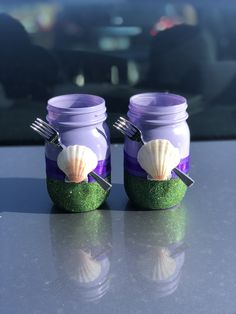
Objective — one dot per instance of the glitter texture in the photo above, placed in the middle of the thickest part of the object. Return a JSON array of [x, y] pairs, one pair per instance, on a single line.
[[87, 230], [154, 194], [76, 197], [165, 227]]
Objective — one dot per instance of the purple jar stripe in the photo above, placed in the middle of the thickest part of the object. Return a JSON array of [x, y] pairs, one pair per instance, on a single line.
[[132, 166], [184, 164], [53, 172]]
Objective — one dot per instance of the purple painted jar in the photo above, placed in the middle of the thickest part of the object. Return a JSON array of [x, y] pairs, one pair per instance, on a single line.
[[80, 120], [158, 116]]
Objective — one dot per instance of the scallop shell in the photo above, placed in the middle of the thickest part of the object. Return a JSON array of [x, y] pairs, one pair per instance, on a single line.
[[88, 268], [76, 162], [165, 265], [159, 266], [158, 158]]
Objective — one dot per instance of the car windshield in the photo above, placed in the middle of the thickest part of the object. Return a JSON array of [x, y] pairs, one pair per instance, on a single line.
[[116, 49]]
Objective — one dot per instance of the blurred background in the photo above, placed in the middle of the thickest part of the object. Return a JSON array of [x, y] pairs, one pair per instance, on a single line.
[[116, 49]]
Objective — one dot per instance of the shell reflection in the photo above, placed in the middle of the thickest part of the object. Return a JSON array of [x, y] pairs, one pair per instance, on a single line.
[[158, 265], [82, 250], [156, 249]]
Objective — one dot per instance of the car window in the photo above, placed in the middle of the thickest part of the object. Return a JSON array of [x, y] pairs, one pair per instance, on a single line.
[[116, 49]]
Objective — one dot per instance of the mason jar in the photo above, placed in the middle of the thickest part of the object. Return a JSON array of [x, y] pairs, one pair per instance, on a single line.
[[158, 116], [80, 120]]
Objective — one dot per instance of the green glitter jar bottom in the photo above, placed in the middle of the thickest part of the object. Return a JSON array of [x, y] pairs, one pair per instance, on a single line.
[[76, 197], [154, 194]]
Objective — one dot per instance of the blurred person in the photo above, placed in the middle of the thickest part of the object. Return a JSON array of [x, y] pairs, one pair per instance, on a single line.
[[26, 70], [178, 54]]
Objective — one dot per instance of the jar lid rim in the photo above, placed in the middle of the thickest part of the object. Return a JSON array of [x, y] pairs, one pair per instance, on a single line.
[[180, 100], [88, 103]]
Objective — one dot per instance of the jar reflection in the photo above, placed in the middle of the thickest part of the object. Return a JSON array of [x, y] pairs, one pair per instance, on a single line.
[[155, 249], [82, 250]]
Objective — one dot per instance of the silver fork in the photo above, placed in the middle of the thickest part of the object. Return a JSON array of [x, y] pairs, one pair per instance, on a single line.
[[51, 135], [132, 132]]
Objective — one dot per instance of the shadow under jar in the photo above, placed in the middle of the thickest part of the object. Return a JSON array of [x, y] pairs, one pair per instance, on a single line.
[[158, 116], [80, 120]]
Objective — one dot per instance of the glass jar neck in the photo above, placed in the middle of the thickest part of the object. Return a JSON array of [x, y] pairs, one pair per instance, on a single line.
[[76, 110], [157, 109]]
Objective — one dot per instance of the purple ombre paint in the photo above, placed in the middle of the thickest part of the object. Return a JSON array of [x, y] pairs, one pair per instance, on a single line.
[[79, 119], [158, 116]]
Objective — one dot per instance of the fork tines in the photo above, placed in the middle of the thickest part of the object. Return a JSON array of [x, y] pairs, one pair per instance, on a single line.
[[45, 124], [128, 123], [43, 128], [125, 124], [124, 128]]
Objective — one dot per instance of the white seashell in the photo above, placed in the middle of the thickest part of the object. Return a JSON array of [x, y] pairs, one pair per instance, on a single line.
[[164, 267], [76, 162], [159, 266], [88, 268], [158, 158]]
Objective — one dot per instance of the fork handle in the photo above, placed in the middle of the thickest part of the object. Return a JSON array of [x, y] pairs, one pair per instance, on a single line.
[[184, 177], [102, 182]]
